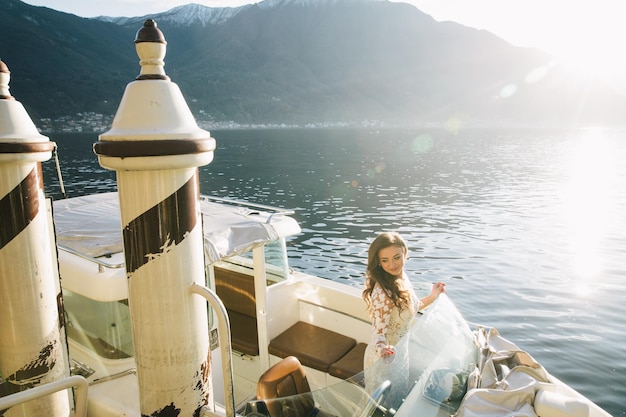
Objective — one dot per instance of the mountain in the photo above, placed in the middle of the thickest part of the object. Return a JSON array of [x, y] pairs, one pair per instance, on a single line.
[[61, 64], [298, 62]]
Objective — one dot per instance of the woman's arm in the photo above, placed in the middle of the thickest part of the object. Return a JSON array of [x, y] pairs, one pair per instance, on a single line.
[[381, 314], [437, 289]]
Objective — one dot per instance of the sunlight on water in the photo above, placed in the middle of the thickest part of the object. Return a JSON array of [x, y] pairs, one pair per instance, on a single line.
[[588, 198]]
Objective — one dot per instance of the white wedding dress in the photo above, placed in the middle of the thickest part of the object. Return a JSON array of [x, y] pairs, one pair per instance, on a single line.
[[390, 325]]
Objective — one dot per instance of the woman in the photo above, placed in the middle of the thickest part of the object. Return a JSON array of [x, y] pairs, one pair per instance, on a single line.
[[392, 304]]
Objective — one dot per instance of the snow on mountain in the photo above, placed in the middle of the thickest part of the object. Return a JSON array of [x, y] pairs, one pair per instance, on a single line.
[[196, 13], [275, 3], [193, 13], [184, 15]]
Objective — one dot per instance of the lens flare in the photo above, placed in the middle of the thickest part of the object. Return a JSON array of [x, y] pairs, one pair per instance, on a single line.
[[508, 90], [422, 144]]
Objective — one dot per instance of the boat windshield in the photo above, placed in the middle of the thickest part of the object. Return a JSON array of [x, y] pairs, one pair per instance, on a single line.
[[428, 376], [276, 262], [101, 326], [346, 398]]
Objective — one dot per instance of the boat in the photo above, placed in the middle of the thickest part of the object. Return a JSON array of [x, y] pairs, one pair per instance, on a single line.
[[278, 342], [276, 313]]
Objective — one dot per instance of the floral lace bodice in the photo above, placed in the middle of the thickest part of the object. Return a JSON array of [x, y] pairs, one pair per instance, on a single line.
[[389, 324]]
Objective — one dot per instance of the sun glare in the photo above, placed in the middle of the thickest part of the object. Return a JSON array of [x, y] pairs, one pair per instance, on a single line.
[[598, 60], [588, 39], [586, 36], [587, 199]]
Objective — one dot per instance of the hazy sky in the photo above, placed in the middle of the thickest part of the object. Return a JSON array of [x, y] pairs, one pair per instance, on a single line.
[[589, 33]]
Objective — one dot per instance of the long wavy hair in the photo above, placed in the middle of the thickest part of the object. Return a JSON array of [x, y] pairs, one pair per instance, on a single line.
[[376, 274]]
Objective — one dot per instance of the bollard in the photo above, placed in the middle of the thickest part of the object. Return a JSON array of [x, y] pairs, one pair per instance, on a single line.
[[156, 147], [32, 342]]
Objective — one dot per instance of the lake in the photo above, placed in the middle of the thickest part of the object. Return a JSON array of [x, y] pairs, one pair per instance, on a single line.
[[526, 226]]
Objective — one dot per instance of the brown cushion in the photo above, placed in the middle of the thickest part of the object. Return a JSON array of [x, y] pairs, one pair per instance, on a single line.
[[314, 346], [243, 331], [350, 364], [236, 290]]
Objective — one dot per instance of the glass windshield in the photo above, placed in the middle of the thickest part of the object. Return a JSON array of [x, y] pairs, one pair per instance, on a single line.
[[276, 264], [347, 398], [276, 260], [102, 326]]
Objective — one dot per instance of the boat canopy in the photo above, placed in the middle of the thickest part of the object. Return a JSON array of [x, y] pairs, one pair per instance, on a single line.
[[91, 225]]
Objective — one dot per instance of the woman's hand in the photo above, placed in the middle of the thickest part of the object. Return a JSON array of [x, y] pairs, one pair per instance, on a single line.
[[438, 288], [388, 353]]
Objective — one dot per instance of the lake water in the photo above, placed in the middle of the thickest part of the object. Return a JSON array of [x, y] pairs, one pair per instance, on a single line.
[[527, 227]]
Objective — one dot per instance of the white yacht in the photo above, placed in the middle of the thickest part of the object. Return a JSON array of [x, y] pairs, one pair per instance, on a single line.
[[276, 314]]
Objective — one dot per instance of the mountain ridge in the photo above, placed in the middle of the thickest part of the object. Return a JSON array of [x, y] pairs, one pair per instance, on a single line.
[[184, 15], [286, 62]]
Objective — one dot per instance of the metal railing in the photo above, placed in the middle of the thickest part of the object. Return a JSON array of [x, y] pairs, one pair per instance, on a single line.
[[274, 211], [77, 382], [98, 261], [223, 325]]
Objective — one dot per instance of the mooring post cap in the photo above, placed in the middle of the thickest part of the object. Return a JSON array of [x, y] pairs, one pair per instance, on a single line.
[[150, 33], [20, 141]]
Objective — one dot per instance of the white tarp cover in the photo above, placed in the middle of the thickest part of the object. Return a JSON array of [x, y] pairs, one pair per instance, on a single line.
[[91, 225], [508, 382]]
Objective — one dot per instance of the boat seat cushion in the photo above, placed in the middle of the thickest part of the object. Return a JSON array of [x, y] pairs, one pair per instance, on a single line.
[[243, 333], [315, 347], [236, 290], [350, 364]]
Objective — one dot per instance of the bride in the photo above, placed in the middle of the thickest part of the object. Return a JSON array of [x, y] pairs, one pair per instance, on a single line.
[[392, 305]]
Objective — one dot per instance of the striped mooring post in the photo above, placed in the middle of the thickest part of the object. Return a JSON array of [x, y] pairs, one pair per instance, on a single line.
[[156, 147], [33, 347]]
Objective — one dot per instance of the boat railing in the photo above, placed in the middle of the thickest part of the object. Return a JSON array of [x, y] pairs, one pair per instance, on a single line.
[[107, 378], [77, 382], [272, 210], [102, 264], [223, 324]]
